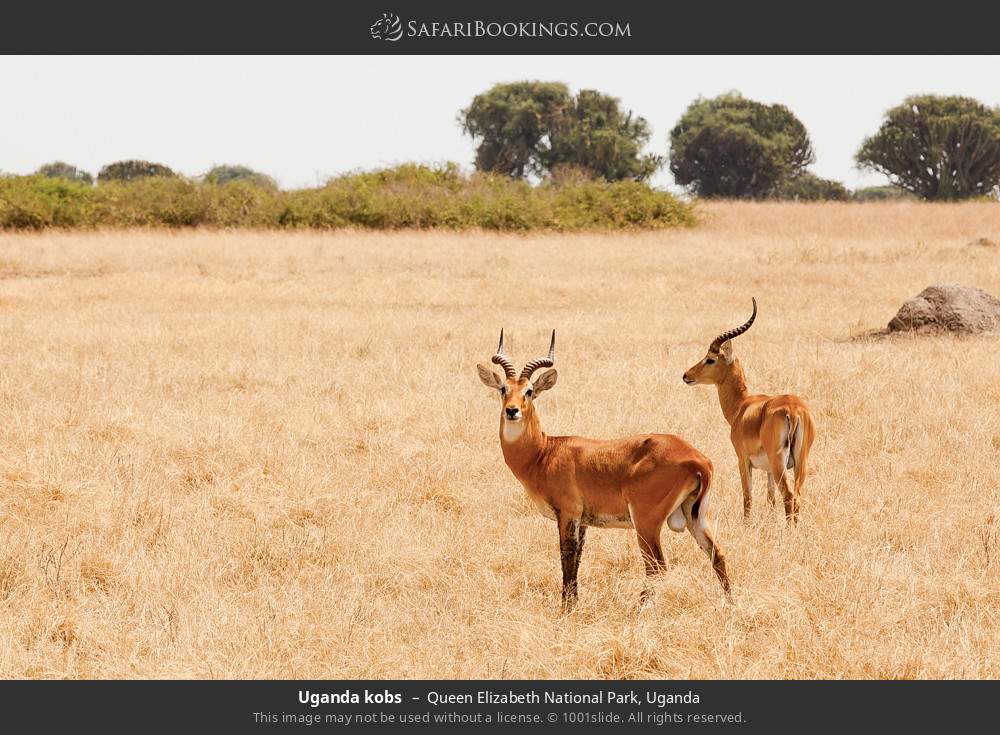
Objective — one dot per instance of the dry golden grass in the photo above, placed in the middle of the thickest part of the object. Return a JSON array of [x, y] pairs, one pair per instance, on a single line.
[[269, 455]]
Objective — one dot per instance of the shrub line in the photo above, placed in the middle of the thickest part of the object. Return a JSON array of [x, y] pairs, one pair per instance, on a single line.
[[405, 197]]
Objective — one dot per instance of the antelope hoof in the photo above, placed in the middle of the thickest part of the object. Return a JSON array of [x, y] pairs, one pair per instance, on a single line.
[[569, 600]]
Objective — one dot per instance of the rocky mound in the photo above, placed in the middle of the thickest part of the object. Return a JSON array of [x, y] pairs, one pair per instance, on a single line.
[[947, 307]]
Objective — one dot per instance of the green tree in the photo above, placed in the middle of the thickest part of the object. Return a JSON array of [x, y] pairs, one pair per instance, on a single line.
[[937, 147], [513, 123], [61, 170], [808, 187], [596, 136], [533, 128], [226, 173], [132, 169], [881, 193], [730, 146]]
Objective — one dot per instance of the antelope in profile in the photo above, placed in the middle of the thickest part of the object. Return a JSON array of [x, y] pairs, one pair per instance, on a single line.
[[770, 433], [638, 482]]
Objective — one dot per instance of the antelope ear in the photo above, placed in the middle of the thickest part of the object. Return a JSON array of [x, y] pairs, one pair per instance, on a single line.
[[490, 379], [726, 350], [545, 381]]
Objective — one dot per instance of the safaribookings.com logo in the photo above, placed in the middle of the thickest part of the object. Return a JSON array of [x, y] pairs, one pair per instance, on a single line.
[[390, 28], [387, 28]]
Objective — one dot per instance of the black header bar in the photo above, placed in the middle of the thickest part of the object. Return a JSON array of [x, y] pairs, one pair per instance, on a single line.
[[513, 27]]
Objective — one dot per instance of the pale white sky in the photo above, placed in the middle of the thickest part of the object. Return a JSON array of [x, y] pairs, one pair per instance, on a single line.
[[301, 119]]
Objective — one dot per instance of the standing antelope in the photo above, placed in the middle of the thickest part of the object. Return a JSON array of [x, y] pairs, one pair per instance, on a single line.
[[770, 433], [636, 482]]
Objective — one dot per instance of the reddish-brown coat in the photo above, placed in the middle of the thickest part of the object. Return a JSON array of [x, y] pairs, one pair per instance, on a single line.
[[635, 482], [764, 429]]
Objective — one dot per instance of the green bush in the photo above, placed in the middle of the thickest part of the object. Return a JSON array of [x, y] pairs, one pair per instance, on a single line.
[[152, 201], [227, 174], [808, 187], [62, 170], [407, 196], [36, 202], [881, 193], [132, 170]]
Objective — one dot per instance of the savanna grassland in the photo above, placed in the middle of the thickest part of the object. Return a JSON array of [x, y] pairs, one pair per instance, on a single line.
[[244, 454]]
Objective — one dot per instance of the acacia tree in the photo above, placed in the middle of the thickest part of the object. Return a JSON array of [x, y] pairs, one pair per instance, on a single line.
[[730, 146], [937, 147], [534, 128], [62, 170], [133, 169]]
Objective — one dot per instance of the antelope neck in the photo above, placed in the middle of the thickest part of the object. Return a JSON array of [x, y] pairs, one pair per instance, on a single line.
[[523, 451], [732, 391]]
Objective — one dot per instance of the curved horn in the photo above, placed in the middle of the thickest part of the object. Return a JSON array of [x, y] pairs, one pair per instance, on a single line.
[[504, 361], [541, 362], [734, 332]]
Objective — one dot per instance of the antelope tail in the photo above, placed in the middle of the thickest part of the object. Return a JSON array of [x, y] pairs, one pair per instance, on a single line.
[[702, 488], [792, 423]]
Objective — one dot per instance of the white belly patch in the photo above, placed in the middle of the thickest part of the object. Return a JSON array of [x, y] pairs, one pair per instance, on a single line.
[[759, 461], [544, 508]]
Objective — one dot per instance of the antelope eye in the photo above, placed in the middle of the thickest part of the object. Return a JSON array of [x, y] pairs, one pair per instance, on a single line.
[[503, 390], [529, 393], [709, 360]]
